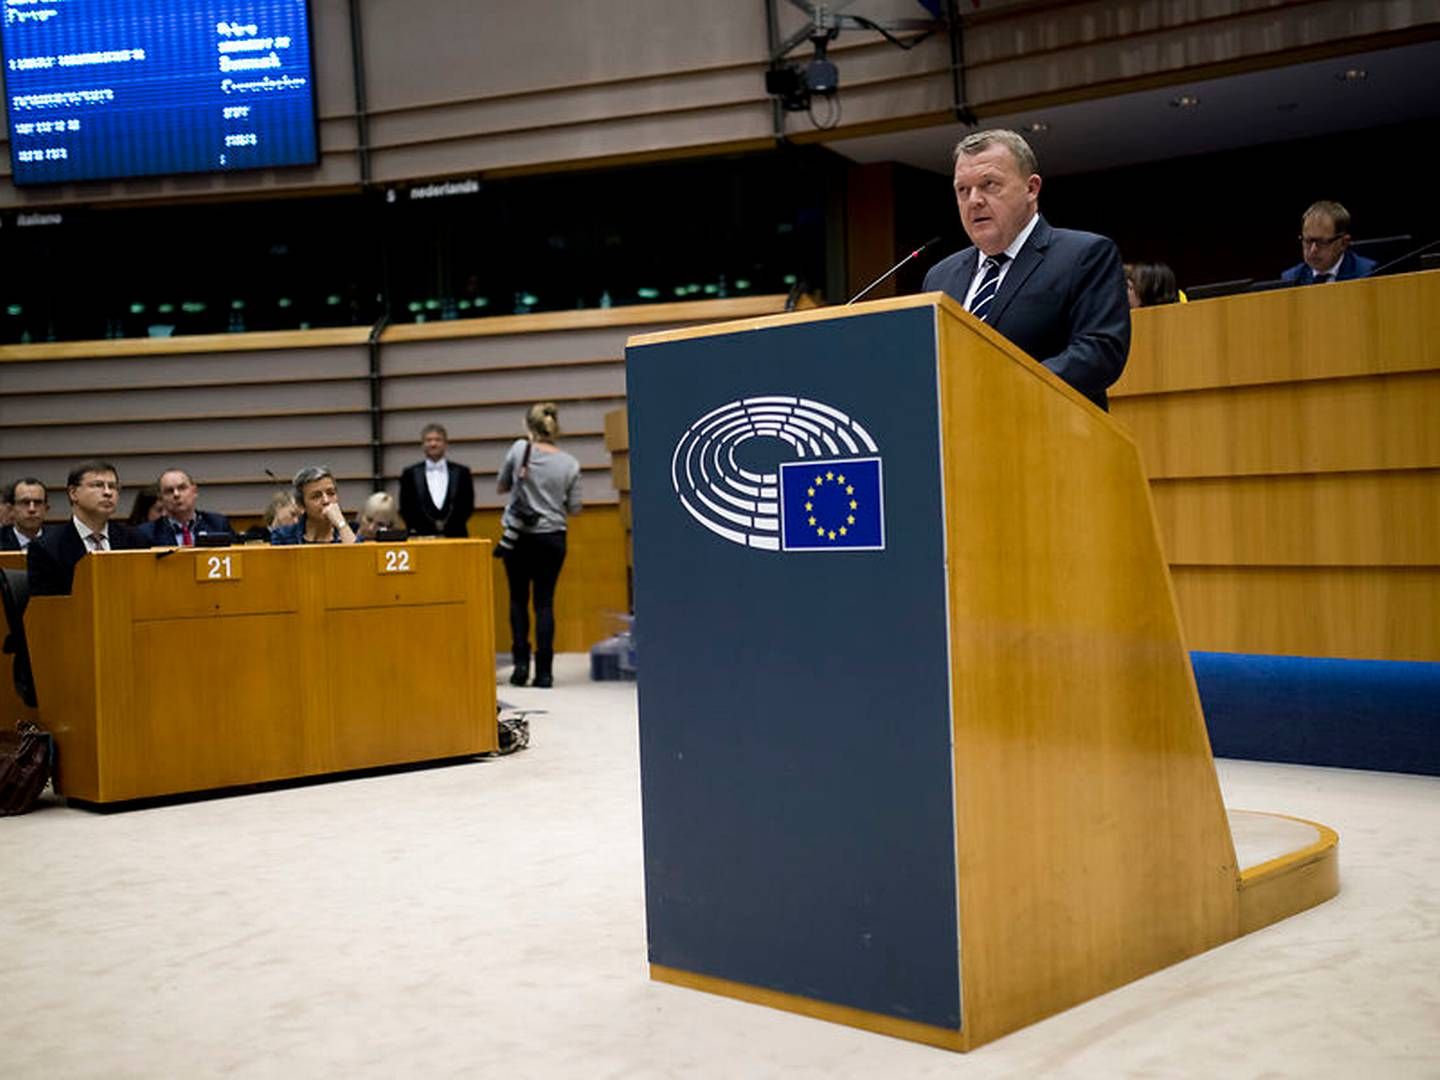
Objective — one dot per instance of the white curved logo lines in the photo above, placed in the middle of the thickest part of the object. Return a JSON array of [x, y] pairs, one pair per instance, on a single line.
[[744, 506]]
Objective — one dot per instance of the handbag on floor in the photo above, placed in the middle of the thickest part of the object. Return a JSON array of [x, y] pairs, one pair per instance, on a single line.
[[26, 757]]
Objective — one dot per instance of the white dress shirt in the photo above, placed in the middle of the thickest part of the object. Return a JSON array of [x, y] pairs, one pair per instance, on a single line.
[[1324, 277], [437, 479], [85, 531], [1011, 251]]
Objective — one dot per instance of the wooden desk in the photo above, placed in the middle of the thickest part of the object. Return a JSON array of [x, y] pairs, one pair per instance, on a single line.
[[188, 672], [11, 707]]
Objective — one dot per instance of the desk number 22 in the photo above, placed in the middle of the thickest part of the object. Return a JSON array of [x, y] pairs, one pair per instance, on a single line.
[[397, 561]]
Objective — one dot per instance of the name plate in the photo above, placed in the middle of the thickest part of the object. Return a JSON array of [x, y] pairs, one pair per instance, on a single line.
[[213, 568], [394, 560]]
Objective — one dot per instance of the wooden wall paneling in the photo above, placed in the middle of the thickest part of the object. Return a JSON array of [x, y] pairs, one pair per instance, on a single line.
[[1017, 55], [617, 430], [624, 320], [79, 366], [1377, 422], [1311, 519], [73, 442], [163, 405], [1365, 327], [1366, 613], [527, 386]]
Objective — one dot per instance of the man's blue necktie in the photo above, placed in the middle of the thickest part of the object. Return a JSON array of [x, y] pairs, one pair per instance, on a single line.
[[989, 285]]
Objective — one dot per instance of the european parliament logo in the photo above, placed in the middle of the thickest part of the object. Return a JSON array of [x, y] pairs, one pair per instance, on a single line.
[[831, 505], [829, 495]]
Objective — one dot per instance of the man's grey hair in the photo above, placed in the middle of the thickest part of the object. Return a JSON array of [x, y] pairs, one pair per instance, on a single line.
[[979, 141], [308, 475]]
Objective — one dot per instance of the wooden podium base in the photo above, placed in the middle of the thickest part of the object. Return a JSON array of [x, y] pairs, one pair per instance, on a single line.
[[1287, 865]]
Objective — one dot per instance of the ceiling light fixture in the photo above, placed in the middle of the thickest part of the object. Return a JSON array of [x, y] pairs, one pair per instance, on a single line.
[[1184, 101], [1039, 127], [1352, 75]]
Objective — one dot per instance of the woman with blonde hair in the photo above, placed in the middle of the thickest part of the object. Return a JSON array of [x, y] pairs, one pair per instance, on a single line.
[[543, 483], [379, 512]]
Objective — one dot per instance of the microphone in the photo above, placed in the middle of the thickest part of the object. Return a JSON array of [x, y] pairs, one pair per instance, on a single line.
[[914, 254], [277, 479], [1403, 258]]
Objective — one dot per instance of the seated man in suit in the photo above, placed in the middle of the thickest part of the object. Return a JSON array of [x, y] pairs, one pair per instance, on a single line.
[[94, 491], [1056, 293], [181, 522], [437, 496], [1325, 248], [27, 497]]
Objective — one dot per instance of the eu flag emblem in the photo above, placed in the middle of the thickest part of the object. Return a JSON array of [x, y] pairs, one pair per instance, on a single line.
[[832, 505]]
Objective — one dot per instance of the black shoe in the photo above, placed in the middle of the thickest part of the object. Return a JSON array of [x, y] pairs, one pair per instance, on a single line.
[[544, 682], [521, 675]]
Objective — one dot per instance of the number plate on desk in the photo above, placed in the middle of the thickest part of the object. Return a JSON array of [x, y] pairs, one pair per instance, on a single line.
[[394, 561], [224, 567]]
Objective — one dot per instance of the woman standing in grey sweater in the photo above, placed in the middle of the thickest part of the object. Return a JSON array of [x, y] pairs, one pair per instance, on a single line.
[[543, 482]]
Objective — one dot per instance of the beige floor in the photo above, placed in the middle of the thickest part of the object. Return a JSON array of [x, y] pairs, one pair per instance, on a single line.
[[486, 919]]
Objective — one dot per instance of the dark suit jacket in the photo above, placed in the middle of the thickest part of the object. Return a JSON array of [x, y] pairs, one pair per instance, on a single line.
[[1063, 301], [52, 557], [1351, 266], [158, 533], [9, 541], [423, 517]]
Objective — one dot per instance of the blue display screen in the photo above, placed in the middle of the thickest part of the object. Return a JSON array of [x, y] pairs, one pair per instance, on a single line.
[[98, 89]]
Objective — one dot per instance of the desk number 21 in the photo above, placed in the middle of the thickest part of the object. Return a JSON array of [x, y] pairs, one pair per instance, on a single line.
[[217, 568]]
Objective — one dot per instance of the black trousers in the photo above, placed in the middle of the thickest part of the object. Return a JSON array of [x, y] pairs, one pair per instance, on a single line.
[[534, 564]]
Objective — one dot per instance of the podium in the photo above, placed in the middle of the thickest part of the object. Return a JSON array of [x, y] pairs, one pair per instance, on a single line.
[[181, 670], [921, 750]]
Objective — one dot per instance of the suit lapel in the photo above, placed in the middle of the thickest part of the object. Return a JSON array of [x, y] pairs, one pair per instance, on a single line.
[[73, 547], [422, 490], [1032, 254]]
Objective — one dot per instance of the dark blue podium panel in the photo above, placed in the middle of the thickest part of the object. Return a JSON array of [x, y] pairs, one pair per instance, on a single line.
[[794, 684]]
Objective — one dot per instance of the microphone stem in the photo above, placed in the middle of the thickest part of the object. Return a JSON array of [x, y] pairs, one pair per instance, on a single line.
[[913, 255]]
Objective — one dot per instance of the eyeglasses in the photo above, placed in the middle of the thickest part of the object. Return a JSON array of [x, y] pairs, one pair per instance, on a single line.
[[101, 485], [31, 502], [1320, 241]]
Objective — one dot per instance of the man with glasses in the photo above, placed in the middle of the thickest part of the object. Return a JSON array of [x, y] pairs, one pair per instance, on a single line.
[[27, 496], [1325, 247], [94, 491]]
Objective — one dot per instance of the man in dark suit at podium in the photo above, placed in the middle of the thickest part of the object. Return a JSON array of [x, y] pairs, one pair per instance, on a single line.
[[437, 496], [1325, 248], [1057, 293], [94, 490], [181, 523]]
